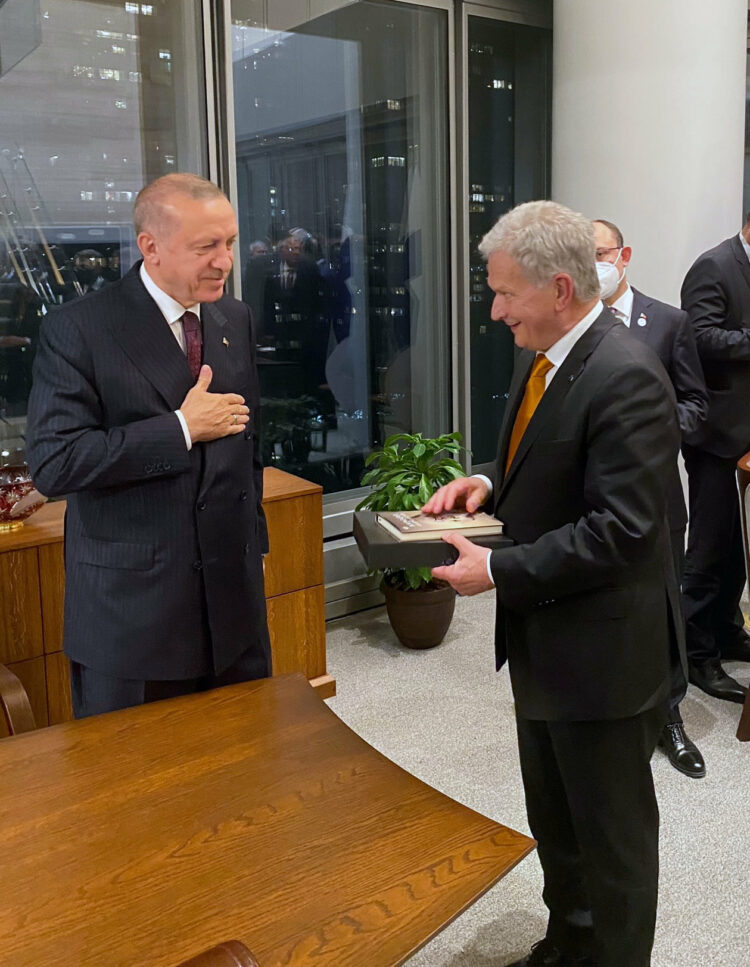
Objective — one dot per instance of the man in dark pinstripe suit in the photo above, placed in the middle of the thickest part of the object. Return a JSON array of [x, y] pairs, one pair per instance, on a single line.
[[143, 413]]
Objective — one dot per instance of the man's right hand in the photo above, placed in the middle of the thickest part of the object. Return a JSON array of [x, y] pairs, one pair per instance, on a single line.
[[210, 416], [466, 492]]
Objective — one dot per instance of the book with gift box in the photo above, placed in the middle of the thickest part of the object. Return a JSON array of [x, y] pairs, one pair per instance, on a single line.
[[420, 543]]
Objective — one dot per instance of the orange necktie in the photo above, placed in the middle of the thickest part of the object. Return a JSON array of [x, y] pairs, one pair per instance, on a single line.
[[531, 396]]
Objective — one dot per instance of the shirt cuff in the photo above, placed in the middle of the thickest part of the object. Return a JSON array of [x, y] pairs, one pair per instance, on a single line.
[[489, 569], [186, 432], [486, 480]]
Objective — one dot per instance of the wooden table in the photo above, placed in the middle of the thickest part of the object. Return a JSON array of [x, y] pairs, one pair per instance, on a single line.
[[142, 837]]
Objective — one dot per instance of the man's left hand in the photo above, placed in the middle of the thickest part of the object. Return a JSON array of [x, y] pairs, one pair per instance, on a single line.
[[468, 573]]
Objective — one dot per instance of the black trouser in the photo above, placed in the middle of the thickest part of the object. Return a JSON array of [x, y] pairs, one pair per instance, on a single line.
[[714, 574], [678, 682], [592, 809], [94, 693]]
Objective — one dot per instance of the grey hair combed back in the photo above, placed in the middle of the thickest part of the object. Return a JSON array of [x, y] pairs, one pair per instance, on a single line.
[[545, 238], [150, 213]]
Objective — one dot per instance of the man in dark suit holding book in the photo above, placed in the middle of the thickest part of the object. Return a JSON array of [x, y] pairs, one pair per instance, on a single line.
[[143, 412], [587, 602]]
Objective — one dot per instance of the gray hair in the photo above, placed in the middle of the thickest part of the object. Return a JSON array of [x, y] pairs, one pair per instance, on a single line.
[[151, 213], [545, 238]]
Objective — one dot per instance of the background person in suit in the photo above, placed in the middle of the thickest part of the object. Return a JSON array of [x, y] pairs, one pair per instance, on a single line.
[[587, 602], [716, 297], [293, 308], [142, 411], [667, 331]]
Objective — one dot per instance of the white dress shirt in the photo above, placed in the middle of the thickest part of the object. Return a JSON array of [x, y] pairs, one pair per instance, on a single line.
[[623, 307], [556, 354], [173, 313], [745, 245]]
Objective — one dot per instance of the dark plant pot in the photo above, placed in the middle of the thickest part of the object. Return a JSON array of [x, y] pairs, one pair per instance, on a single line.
[[420, 619]]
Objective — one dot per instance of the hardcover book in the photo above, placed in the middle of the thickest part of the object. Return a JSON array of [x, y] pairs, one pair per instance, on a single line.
[[413, 525], [381, 549]]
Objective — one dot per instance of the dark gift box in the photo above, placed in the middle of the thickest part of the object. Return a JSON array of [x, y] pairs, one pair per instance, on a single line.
[[380, 549]]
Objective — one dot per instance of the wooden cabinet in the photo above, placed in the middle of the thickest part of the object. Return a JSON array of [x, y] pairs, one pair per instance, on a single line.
[[32, 578], [295, 595]]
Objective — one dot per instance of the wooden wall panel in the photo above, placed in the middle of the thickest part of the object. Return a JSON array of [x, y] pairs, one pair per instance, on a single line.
[[58, 688], [296, 624], [31, 676], [20, 614], [52, 586]]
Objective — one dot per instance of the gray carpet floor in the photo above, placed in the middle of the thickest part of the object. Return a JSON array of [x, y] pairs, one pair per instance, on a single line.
[[447, 717]]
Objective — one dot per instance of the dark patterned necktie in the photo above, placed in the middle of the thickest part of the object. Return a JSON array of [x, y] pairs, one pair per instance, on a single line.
[[191, 326]]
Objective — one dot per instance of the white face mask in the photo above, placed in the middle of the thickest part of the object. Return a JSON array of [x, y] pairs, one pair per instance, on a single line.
[[609, 278]]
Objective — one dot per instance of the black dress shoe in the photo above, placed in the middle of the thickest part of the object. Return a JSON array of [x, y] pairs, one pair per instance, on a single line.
[[681, 752], [545, 954], [711, 678], [738, 650]]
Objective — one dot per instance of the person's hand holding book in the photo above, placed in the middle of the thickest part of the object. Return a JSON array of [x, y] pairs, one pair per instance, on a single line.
[[468, 574], [468, 492]]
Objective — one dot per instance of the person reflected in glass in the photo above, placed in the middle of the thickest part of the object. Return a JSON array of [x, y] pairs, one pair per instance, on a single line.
[[293, 309]]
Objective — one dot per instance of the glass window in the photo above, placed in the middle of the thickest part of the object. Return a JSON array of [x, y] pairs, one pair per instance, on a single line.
[[508, 104], [341, 142], [96, 99]]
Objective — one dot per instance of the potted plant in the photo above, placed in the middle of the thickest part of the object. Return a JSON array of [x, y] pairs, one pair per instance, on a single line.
[[404, 473]]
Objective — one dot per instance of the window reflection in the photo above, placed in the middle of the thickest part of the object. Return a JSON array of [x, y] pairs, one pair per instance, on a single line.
[[342, 173], [508, 99], [96, 99]]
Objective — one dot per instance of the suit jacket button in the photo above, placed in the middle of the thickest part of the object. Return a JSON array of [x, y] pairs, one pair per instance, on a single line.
[[246, 548], [243, 495], [197, 565], [202, 505]]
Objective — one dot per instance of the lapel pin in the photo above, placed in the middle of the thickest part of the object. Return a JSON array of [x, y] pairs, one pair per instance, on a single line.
[[642, 320], [225, 341]]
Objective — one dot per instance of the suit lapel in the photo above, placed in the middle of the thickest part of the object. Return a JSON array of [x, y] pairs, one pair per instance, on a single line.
[[218, 354], [741, 256], [521, 370], [143, 333], [550, 403], [216, 344], [639, 311]]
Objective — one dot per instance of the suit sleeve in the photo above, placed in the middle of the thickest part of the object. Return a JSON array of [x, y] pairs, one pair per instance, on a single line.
[[628, 450], [704, 299], [69, 446], [686, 374]]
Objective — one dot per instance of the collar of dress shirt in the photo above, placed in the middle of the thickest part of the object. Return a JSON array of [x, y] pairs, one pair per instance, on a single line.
[[744, 245], [624, 306], [558, 352], [170, 308]]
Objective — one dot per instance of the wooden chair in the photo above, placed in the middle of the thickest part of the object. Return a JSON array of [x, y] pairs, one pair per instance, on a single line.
[[743, 483], [232, 953], [14, 703]]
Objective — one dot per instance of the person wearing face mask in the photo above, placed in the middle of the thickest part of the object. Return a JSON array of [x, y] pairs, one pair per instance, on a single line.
[[666, 330]]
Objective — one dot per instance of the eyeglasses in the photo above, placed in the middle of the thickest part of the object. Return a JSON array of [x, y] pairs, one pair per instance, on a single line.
[[602, 252]]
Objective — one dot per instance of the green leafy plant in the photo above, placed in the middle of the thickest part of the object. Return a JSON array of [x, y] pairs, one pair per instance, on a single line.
[[404, 473]]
